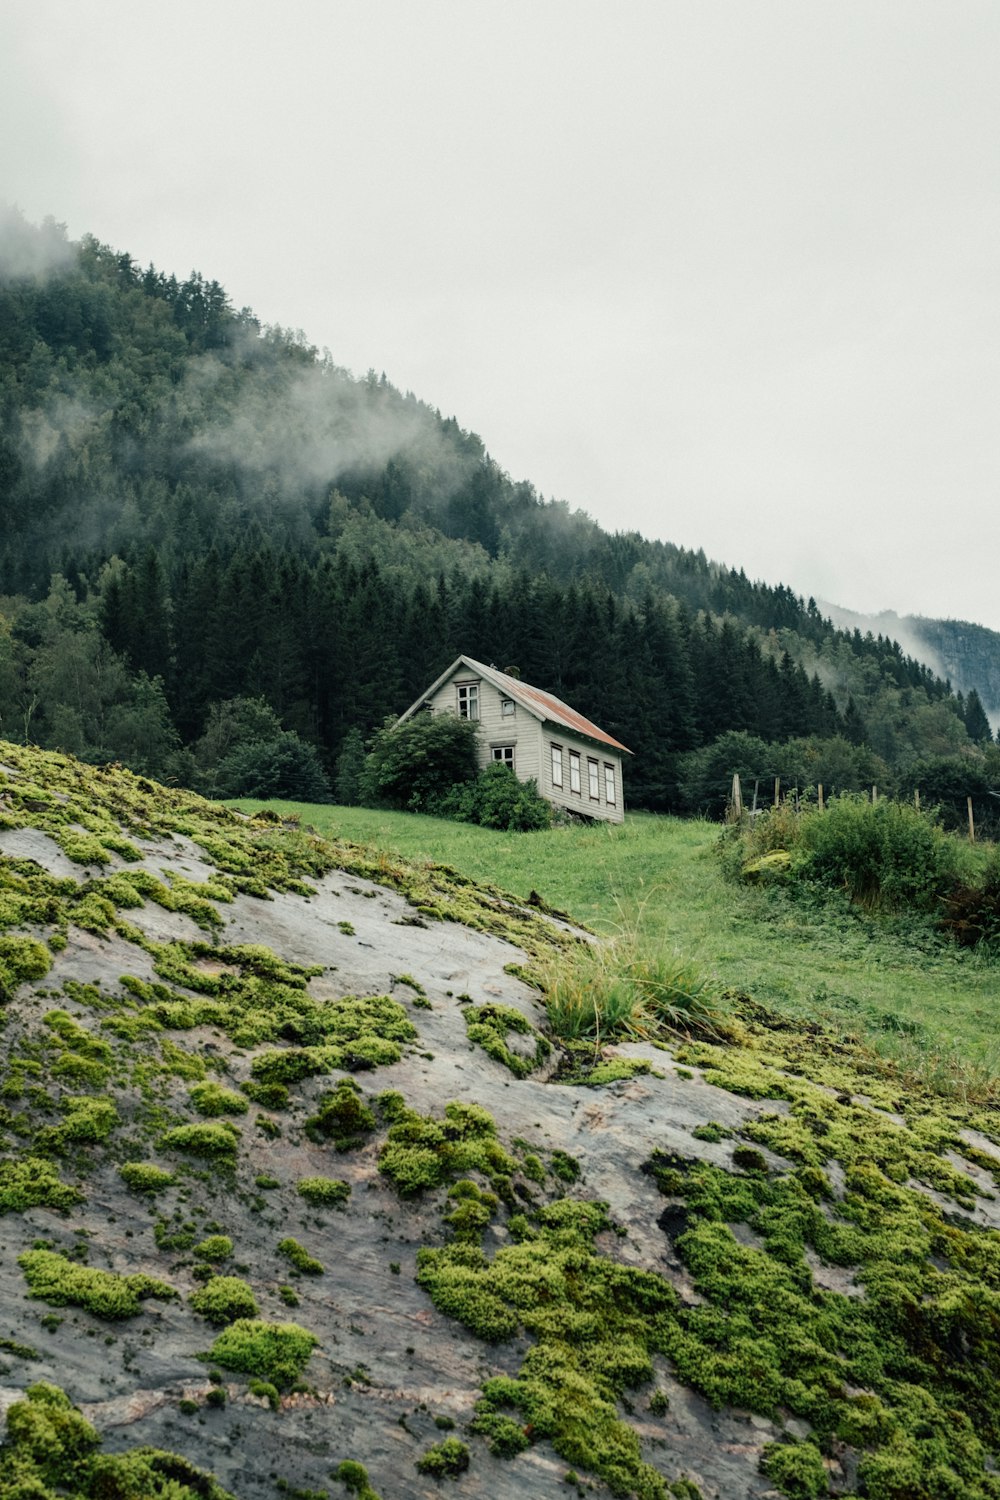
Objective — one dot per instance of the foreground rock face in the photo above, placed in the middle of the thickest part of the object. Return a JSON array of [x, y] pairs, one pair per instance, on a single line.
[[248, 952]]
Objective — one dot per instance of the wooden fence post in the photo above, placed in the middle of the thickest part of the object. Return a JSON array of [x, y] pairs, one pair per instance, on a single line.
[[736, 798], [756, 789], [916, 798], [777, 789], [819, 799], [874, 795], [972, 821]]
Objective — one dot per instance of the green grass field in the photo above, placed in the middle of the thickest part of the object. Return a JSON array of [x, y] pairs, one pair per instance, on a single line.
[[931, 1006]]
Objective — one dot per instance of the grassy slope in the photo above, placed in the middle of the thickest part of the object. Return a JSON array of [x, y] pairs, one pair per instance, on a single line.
[[917, 998]]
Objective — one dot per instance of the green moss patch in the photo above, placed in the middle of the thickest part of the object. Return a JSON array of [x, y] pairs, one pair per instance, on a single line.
[[51, 1450], [489, 1027], [218, 1141], [146, 1177], [224, 1299], [21, 959], [422, 1152], [323, 1192], [275, 1352], [298, 1256], [61, 1282], [212, 1099], [33, 1182], [342, 1117]]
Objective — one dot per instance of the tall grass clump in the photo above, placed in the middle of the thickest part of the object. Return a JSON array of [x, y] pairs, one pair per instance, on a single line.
[[623, 990]]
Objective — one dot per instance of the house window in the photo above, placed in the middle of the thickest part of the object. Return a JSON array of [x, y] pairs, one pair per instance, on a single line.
[[468, 700], [574, 771], [557, 779], [507, 707], [595, 784], [504, 754], [609, 784]]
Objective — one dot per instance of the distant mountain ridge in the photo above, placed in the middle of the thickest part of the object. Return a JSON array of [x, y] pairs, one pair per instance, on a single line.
[[967, 655]]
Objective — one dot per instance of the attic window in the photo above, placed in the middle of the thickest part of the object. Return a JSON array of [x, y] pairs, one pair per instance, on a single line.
[[468, 700], [507, 707]]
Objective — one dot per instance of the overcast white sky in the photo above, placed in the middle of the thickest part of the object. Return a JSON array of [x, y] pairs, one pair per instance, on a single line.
[[723, 271]]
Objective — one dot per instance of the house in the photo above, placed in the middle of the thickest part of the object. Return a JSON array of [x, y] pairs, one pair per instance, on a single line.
[[575, 765]]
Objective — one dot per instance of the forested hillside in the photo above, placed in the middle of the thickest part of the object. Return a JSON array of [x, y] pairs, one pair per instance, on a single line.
[[212, 539]]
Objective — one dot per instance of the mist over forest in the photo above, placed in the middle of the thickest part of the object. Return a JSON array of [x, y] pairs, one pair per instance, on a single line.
[[225, 560]]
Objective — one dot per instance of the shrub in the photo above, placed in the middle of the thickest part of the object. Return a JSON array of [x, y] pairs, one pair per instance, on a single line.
[[884, 855], [972, 910], [416, 764], [61, 1282], [203, 1140], [797, 1469], [212, 1099], [497, 799], [216, 1247], [33, 1182], [324, 1192], [445, 1460], [299, 1257], [343, 1117], [144, 1177], [223, 1299], [276, 1352]]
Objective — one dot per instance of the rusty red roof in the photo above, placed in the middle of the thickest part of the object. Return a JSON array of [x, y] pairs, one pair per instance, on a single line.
[[546, 705]]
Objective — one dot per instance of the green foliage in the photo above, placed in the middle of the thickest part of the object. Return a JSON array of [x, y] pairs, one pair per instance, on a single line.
[[87, 1122], [884, 855], [54, 1279], [52, 1450], [971, 908], [276, 1352], [342, 1117], [498, 799], [625, 990], [213, 1100], [218, 1141], [299, 1257], [323, 1192], [33, 1182], [21, 959], [145, 1177], [223, 1299], [421, 1152], [354, 1477], [266, 1392], [445, 1460], [490, 1026], [215, 1247], [797, 1469], [415, 764]]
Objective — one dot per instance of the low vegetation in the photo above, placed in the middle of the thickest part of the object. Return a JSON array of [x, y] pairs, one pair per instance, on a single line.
[[274, 1352], [898, 981], [61, 1282], [50, 1446]]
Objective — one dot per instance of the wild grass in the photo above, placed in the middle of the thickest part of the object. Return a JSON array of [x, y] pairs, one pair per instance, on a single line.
[[894, 981]]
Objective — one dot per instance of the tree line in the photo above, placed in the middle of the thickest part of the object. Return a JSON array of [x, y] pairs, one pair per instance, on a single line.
[[197, 512]]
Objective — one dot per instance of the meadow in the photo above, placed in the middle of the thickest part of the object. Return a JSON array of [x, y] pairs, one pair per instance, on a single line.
[[896, 983]]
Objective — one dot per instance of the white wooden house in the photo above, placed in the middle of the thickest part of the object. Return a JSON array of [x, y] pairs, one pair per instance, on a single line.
[[575, 765]]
